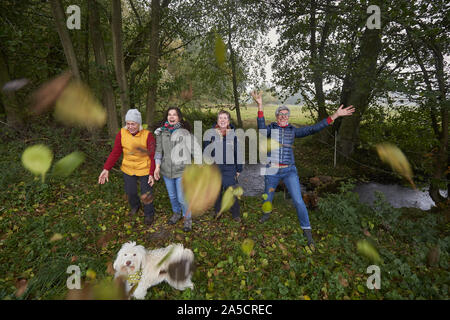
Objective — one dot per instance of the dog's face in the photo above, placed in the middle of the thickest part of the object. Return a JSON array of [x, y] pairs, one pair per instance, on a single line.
[[130, 258]]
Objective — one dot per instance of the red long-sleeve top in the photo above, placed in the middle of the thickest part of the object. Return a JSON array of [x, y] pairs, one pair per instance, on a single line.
[[117, 151]]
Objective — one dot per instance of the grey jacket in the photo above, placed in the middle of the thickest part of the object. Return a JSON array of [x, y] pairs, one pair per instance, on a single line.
[[174, 151]]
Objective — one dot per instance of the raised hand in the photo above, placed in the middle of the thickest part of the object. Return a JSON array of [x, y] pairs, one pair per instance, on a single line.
[[343, 112], [257, 96]]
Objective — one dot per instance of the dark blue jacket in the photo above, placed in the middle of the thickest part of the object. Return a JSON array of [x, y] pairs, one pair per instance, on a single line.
[[286, 136], [228, 170]]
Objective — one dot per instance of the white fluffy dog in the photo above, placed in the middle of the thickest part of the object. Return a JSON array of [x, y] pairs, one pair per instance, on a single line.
[[144, 268]]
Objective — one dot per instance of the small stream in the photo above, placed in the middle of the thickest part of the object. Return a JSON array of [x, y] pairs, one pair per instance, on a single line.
[[398, 196]]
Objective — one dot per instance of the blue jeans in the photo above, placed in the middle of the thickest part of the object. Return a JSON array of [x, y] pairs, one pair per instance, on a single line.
[[290, 177], [176, 196]]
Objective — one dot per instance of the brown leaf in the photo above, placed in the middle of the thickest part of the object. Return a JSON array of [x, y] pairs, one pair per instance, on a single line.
[[147, 198], [110, 268], [103, 241], [343, 281], [74, 259], [44, 97], [21, 286]]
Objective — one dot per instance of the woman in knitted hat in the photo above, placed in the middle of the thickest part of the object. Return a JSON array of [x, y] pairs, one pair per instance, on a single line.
[[171, 136], [138, 148]]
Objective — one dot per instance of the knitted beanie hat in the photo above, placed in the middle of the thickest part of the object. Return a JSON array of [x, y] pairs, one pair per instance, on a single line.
[[133, 115]]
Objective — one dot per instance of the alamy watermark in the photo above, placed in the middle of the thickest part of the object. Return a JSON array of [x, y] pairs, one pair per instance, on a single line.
[[374, 20], [373, 281], [74, 280], [263, 147], [74, 19]]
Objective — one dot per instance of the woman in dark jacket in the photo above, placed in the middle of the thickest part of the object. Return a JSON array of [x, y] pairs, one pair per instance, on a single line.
[[225, 141]]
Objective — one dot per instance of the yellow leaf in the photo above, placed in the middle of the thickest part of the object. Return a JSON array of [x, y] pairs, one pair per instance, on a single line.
[[247, 246], [77, 106], [306, 297], [56, 237], [227, 201], [392, 155], [220, 50], [37, 159], [201, 185], [366, 249]]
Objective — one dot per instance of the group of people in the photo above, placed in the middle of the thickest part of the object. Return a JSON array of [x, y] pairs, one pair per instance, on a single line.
[[146, 159]]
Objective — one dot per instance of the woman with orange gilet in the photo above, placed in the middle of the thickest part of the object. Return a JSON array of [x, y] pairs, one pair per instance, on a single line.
[[138, 148]]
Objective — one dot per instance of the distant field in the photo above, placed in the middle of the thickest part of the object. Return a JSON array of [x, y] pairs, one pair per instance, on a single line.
[[250, 113]]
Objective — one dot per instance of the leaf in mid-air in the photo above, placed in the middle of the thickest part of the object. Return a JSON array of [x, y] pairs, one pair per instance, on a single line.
[[37, 159], [65, 166], [392, 155]]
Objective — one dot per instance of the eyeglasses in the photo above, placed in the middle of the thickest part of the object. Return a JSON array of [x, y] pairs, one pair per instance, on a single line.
[[285, 115]]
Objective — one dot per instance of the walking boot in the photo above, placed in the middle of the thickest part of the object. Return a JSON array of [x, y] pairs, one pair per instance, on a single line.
[[187, 224], [264, 218], [148, 220], [175, 217], [308, 235]]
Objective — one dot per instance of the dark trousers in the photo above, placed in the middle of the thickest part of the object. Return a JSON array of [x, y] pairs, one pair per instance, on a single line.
[[132, 193], [235, 209]]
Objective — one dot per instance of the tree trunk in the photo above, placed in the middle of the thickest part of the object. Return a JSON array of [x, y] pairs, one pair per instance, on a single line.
[[235, 89], [442, 156], [100, 58], [317, 61], [362, 81], [119, 66], [153, 63], [234, 76], [9, 100], [60, 19]]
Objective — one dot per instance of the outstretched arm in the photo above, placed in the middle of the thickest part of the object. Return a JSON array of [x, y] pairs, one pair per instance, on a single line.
[[342, 112], [308, 130]]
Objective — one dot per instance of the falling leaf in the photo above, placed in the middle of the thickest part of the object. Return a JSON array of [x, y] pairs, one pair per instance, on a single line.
[[65, 166], [267, 207], [220, 50], [238, 192], [247, 246], [343, 281], [201, 184], [227, 201], [37, 159], [56, 237], [267, 145], [392, 155], [366, 249], [14, 85], [21, 287], [433, 256], [187, 94], [44, 97], [77, 106], [91, 274], [147, 198], [167, 256], [109, 268]]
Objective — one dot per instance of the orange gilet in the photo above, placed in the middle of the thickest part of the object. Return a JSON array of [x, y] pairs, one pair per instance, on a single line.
[[135, 158]]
